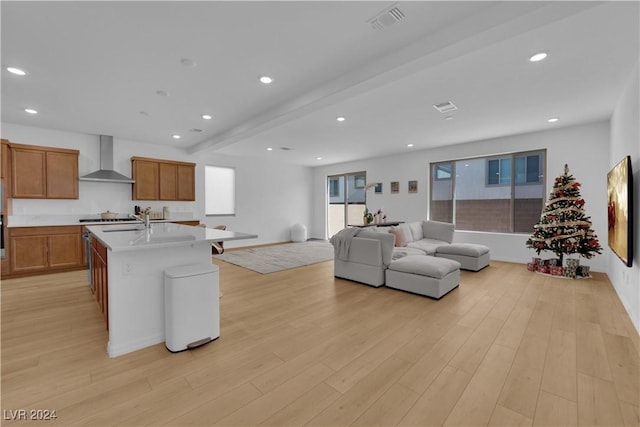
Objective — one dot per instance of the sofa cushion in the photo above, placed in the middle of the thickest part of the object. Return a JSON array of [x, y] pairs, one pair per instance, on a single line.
[[406, 251], [416, 230], [377, 229], [425, 266], [437, 230], [428, 246], [366, 251], [386, 243], [466, 249]]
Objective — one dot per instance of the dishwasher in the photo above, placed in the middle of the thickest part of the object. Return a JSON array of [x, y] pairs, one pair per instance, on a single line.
[[86, 236]]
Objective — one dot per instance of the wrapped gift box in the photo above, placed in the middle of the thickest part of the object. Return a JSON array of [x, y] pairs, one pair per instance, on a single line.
[[557, 270], [570, 272]]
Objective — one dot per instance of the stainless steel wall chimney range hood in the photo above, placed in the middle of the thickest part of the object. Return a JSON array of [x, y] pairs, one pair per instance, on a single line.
[[106, 172]]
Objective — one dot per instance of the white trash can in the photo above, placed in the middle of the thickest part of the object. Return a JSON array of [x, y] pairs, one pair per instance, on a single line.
[[298, 233], [191, 306]]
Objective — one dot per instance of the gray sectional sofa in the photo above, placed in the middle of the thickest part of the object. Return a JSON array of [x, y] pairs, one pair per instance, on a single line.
[[366, 255]]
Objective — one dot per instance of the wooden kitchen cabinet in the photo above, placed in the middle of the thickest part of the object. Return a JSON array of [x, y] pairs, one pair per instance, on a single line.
[[191, 223], [5, 182], [43, 172], [187, 182], [62, 175], [157, 179], [168, 188], [100, 277], [38, 250], [145, 173], [4, 170]]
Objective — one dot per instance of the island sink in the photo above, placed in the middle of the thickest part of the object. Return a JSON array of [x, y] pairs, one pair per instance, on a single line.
[[133, 269]]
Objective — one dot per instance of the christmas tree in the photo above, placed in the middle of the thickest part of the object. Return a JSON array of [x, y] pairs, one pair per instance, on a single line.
[[564, 228]]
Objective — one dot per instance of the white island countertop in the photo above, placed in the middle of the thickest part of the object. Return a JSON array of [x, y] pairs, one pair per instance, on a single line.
[[134, 236]]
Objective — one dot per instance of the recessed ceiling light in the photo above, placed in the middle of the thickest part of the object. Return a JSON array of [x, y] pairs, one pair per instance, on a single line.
[[207, 116], [30, 111], [161, 92], [340, 119], [266, 80], [409, 145], [537, 57], [318, 158], [176, 136], [269, 149], [553, 120], [16, 71]]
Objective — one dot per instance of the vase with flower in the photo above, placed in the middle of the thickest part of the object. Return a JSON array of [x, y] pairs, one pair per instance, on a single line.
[[367, 217]]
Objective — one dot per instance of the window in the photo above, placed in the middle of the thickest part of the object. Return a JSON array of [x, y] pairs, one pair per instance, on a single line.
[[220, 190], [497, 194], [528, 169], [442, 171], [499, 171], [334, 187], [346, 201]]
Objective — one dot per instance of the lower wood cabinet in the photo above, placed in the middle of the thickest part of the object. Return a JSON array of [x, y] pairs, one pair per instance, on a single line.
[[192, 223], [100, 277], [38, 250]]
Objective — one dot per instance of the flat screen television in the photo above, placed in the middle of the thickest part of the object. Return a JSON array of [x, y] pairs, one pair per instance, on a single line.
[[620, 210]]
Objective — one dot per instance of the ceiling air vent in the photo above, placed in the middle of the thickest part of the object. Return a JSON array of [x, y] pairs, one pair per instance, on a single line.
[[386, 18], [445, 107]]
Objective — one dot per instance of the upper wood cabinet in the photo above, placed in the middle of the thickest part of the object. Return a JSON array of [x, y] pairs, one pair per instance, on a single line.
[[43, 172], [157, 179], [168, 181], [145, 175], [4, 170], [186, 182]]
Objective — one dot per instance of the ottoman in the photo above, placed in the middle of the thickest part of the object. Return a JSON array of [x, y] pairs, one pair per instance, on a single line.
[[471, 256], [425, 275]]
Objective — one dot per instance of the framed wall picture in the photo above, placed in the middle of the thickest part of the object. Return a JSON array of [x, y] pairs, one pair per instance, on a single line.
[[395, 186], [413, 186], [378, 188]]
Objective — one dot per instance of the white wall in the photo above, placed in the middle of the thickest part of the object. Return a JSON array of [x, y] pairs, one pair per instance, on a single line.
[[585, 148], [625, 141], [270, 196]]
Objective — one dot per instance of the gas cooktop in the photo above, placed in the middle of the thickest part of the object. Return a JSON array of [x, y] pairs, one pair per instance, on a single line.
[[107, 220]]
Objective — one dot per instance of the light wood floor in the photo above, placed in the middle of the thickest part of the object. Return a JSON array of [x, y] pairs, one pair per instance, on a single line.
[[508, 347]]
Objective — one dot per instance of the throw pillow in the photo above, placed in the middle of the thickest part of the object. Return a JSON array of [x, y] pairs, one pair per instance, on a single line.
[[416, 230], [407, 232], [401, 239]]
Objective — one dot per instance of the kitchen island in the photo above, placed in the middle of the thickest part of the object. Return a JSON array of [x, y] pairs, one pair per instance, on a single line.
[[136, 257]]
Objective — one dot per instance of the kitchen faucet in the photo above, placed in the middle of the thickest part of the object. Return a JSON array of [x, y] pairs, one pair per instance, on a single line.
[[144, 220]]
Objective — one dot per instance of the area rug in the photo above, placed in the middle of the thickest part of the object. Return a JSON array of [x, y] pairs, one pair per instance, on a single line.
[[270, 259]]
